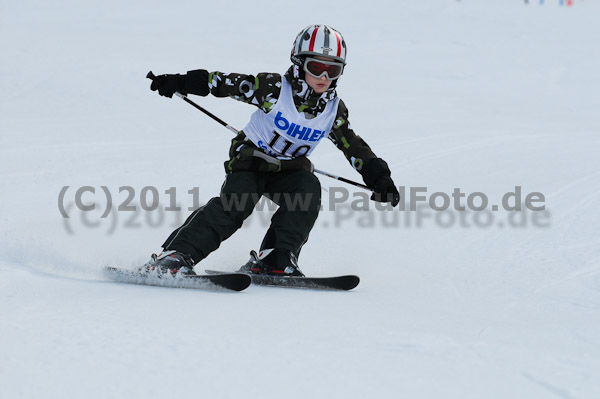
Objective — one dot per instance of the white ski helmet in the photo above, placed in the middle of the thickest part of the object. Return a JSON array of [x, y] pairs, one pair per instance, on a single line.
[[319, 40]]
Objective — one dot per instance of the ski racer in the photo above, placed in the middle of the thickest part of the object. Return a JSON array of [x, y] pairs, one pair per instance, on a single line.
[[270, 156]]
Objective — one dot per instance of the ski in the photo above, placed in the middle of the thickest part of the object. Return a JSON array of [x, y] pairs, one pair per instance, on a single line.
[[344, 283], [229, 281]]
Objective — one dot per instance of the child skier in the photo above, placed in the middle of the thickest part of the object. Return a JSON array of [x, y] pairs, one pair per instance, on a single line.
[[270, 155]]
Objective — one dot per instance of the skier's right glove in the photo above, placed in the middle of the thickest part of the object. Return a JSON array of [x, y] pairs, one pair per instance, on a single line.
[[194, 82], [377, 176]]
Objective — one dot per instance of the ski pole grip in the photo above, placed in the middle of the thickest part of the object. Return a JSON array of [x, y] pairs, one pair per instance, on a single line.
[[150, 76]]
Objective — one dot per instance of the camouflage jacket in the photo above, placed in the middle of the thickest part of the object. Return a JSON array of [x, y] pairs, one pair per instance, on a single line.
[[263, 91]]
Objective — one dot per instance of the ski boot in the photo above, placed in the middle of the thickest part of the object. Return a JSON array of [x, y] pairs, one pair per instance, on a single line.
[[273, 262], [172, 262]]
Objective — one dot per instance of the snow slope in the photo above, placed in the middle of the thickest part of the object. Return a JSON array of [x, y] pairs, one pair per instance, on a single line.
[[482, 96]]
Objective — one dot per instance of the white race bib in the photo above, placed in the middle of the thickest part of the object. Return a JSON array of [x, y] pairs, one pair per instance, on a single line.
[[286, 133]]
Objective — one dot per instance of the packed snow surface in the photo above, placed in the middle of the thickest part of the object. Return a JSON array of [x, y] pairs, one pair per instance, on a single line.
[[483, 96]]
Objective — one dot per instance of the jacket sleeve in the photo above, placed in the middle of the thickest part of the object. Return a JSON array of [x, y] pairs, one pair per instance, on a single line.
[[355, 149], [261, 90]]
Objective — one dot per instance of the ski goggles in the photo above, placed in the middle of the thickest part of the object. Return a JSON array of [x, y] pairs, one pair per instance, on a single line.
[[317, 68]]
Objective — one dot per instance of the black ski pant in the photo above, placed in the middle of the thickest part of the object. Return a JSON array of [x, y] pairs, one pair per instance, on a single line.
[[298, 194]]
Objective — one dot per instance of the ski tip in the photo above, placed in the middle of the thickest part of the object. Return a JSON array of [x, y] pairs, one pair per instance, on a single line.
[[233, 281], [344, 283], [227, 281], [351, 281]]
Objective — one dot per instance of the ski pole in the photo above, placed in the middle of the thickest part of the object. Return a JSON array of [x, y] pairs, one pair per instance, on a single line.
[[151, 76]]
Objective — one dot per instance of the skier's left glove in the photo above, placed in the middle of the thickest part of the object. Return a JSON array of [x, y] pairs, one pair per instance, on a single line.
[[385, 191], [377, 176], [194, 82]]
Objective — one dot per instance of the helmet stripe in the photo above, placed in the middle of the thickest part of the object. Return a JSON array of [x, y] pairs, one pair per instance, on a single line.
[[339, 44], [311, 46]]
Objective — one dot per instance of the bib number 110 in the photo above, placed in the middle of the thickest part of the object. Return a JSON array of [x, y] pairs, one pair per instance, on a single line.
[[299, 151]]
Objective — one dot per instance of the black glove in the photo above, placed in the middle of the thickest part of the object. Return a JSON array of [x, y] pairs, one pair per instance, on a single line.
[[385, 191], [377, 176], [194, 82], [167, 85]]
